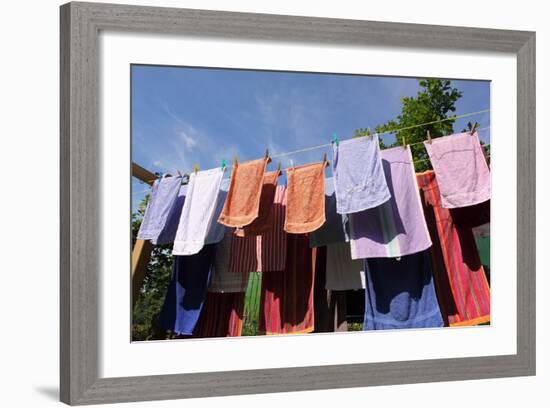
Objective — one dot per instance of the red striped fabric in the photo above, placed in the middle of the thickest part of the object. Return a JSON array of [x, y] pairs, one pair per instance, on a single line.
[[461, 284], [265, 252], [222, 315], [286, 303]]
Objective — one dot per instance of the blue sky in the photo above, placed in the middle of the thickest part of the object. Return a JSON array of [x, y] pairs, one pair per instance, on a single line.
[[182, 116]]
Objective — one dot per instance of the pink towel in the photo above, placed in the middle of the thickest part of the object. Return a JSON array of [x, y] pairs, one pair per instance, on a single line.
[[460, 169]]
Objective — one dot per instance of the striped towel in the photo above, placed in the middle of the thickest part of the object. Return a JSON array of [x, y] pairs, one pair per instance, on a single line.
[[397, 227], [223, 281], [265, 252], [461, 284], [222, 315], [286, 303]]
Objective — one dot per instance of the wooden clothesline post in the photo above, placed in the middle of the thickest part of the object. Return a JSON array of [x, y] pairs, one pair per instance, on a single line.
[[141, 253]]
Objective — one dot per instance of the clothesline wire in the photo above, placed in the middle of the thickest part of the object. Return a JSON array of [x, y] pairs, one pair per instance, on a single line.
[[307, 149]]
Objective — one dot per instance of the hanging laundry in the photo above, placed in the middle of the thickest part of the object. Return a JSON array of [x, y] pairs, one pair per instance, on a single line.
[[243, 200], [222, 280], [168, 233], [186, 292], [343, 273], [266, 252], [163, 197], [198, 211], [336, 226], [222, 316], [397, 227], [286, 302], [217, 231], [262, 224], [461, 169], [305, 208], [473, 215], [461, 284], [329, 306], [400, 294], [358, 175]]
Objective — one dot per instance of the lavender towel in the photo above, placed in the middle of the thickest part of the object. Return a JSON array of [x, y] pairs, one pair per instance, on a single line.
[[168, 233], [397, 227], [336, 226], [163, 197], [400, 294], [358, 176], [461, 170], [187, 291], [198, 211]]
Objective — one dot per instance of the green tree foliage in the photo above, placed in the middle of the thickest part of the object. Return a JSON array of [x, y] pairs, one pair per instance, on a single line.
[[433, 103], [155, 284]]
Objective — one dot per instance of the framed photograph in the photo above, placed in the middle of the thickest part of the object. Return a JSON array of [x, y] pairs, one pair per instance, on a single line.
[[257, 203]]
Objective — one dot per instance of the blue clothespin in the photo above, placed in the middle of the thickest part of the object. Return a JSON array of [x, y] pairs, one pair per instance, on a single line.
[[223, 164], [335, 139]]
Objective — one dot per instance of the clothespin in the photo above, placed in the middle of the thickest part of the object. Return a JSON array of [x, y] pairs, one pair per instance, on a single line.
[[267, 156], [403, 142], [429, 136], [224, 165], [369, 133], [474, 127], [279, 167], [335, 139], [196, 168], [235, 160], [325, 160]]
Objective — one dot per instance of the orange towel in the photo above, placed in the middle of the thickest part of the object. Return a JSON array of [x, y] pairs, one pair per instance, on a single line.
[[305, 195], [243, 199], [263, 222]]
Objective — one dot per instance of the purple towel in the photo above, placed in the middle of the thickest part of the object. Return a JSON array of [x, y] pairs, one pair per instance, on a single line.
[[461, 170], [397, 227], [358, 176], [400, 294], [163, 197], [187, 291]]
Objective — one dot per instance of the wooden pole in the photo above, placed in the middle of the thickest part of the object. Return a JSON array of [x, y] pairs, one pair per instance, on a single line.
[[141, 253]]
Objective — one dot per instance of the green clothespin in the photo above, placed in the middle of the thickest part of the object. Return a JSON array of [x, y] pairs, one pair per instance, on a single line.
[[224, 165], [335, 139]]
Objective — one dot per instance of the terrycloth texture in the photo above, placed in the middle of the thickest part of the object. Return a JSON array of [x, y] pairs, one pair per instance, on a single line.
[[286, 302], [222, 316], [400, 294], [168, 233], [358, 175], [222, 280], [198, 211], [343, 273], [243, 200], [263, 223], [397, 227], [336, 227], [186, 291], [329, 306], [461, 169], [163, 197], [266, 252], [216, 231], [305, 198], [461, 284]]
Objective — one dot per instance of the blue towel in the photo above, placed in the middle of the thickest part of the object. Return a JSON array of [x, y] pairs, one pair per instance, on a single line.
[[336, 226], [187, 291], [400, 294], [168, 233], [163, 197]]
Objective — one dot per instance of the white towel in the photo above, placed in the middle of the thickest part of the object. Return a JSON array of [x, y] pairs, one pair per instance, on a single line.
[[343, 273], [198, 211], [223, 281]]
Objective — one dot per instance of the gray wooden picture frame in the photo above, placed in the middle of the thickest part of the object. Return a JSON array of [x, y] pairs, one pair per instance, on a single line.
[[80, 191]]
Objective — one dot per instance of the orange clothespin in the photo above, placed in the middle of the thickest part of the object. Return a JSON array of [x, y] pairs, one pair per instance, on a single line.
[[235, 161]]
